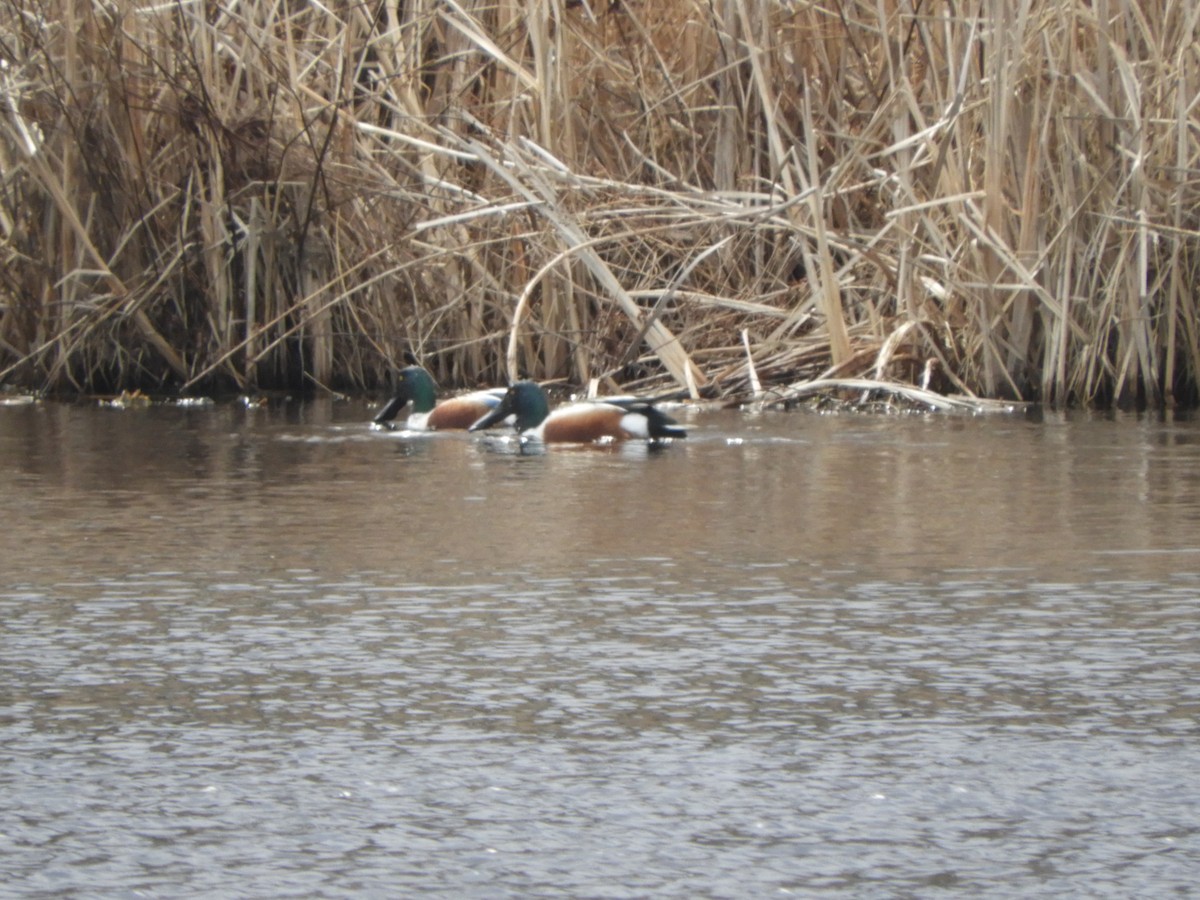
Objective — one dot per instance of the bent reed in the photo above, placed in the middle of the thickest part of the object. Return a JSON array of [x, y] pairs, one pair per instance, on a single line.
[[731, 197]]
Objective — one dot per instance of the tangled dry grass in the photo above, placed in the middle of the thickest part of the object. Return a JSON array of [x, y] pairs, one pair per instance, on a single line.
[[997, 198]]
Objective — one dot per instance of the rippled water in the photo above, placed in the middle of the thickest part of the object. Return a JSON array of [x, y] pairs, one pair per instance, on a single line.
[[272, 653]]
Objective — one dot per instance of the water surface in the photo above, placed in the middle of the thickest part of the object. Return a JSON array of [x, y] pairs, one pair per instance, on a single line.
[[269, 652]]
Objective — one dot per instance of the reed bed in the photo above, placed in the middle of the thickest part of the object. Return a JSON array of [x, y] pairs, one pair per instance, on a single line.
[[727, 198]]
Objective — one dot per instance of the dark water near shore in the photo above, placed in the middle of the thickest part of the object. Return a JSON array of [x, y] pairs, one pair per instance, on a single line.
[[271, 653]]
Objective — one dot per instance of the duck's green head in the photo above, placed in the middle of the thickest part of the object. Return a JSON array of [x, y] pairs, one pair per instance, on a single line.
[[414, 383], [525, 401]]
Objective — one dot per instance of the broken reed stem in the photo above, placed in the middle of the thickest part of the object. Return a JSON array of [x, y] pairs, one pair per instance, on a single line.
[[724, 196]]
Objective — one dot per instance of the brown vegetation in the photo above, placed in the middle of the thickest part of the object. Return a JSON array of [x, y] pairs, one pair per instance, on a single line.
[[999, 195]]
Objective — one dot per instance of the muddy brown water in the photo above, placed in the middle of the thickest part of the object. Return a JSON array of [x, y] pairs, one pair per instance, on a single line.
[[269, 652]]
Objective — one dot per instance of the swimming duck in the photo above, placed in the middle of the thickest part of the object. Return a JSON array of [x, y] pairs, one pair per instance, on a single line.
[[415, 384], [582, 422]]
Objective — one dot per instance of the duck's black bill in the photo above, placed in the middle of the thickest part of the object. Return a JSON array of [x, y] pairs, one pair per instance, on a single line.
[[499, 414]]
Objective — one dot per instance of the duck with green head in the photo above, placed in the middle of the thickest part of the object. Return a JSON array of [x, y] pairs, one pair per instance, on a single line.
[[582, 422], [415, 385]]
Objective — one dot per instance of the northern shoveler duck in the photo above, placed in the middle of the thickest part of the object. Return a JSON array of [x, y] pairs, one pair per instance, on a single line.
[[582, 422], [415, 384]]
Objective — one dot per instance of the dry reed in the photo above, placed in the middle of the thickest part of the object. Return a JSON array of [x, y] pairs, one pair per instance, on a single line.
[[722, 195]]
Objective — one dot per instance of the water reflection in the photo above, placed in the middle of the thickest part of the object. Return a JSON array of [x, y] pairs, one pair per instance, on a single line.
[[271, 652]]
